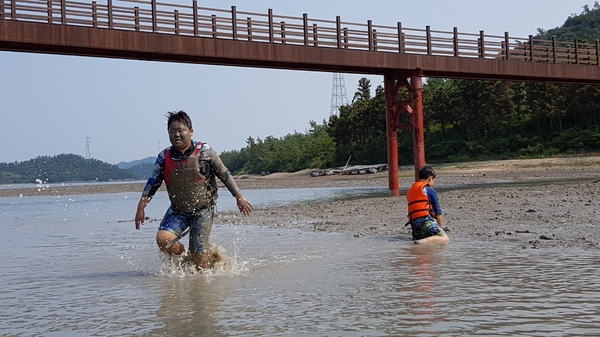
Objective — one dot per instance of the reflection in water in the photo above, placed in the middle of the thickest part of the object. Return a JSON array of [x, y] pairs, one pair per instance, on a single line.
[[187, 307], [423, 304], [423, 263]]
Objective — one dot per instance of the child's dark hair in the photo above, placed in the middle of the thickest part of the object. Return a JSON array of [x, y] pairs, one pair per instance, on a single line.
[[426, 171], [179, 116]]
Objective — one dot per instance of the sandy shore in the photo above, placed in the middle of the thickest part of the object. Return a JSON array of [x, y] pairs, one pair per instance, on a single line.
[[516, 201]]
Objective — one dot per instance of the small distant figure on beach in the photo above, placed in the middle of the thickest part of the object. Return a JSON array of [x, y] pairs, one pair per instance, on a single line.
[[424, 212], [189, 170]]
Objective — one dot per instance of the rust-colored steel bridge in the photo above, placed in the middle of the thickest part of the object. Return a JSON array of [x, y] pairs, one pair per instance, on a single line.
[[151, 30]]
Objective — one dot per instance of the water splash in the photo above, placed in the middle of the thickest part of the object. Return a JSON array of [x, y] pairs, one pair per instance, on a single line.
[[42, 185], [181, 266]]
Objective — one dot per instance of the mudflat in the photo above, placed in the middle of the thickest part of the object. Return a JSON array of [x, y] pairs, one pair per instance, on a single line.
[[532, 203], [527, 203]]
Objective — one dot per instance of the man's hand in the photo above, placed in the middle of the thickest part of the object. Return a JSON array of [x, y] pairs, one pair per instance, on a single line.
[[243, 205], [140, 215]]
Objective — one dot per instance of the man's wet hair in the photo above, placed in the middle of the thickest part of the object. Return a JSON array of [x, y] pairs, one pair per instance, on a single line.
[[426, 171], [179, 116]]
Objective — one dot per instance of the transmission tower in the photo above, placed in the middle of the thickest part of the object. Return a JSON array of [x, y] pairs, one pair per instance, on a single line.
[[338, 94], [87, 148]]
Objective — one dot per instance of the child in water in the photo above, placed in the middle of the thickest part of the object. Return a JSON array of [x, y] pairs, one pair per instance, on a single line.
[[424, 212]]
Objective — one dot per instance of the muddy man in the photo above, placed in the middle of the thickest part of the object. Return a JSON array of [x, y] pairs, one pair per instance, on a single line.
[[189, 170]]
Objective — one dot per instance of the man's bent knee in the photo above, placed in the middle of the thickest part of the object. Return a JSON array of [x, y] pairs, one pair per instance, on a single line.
[[164, 238]]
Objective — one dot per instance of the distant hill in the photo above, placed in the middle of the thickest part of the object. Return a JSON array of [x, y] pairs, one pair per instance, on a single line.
[[141, 171], [128, 164], [61, 168], [141, 168]]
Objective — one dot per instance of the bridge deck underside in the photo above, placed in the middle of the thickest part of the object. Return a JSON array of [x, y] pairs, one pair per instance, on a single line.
[[112, 43]]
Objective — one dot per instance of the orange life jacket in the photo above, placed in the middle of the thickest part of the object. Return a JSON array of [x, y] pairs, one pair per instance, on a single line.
[[419, 205], [188, 189]]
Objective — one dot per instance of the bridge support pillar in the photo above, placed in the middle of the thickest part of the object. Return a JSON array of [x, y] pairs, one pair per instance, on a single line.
[[393, 107], [391, 87], [416, 94]]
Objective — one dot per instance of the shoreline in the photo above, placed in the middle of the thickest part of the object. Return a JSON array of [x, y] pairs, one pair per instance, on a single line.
[[471, 173], [532, 203]]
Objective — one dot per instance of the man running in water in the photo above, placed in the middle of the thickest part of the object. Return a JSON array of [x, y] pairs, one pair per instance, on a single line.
[[189, 170]]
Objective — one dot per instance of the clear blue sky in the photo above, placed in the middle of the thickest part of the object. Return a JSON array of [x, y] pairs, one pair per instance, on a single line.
[[50, 103]]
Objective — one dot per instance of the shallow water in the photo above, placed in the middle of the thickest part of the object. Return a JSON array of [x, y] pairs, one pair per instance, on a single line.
[[75, 266], [45, 185]]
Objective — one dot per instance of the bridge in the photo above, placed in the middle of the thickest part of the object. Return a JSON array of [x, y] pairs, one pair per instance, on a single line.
[[152, 30]]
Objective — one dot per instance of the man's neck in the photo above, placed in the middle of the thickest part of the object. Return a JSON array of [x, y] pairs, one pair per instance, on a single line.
[[184, 150]]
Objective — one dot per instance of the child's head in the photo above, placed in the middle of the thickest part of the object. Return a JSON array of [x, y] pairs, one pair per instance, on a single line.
[[179, 116], [426, 172], [179, 127]]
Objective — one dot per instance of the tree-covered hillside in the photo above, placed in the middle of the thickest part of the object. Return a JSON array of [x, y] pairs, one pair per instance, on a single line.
[[61, 168], [141, 168], [584, 27], [141, 171], [293, 152]]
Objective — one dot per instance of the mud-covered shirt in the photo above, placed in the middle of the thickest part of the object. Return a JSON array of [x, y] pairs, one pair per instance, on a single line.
[[210, 166]]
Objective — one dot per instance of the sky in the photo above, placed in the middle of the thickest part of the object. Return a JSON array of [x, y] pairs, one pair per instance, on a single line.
[[50, 104]]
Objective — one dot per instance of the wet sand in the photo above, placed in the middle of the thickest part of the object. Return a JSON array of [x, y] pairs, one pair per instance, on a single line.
[[529, 210]]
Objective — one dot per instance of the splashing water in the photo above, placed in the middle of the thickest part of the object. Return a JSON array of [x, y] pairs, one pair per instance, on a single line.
[[42, 185], [181, 266]]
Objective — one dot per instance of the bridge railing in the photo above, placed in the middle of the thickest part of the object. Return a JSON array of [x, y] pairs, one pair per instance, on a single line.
[[168, 18]]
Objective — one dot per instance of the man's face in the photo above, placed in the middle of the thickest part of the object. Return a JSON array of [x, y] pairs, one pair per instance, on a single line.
[[180, 135]]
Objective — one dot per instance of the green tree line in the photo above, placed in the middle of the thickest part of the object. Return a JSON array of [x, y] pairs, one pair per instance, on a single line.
[[293, 152], [464, 120], [61, 168]]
